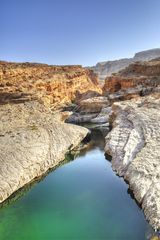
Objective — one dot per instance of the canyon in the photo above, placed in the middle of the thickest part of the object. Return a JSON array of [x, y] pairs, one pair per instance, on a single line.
[[39, 102]]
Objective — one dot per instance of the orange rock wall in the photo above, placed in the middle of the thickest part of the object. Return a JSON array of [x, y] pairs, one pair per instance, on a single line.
[[145, 74], [53, 85], [116, 83]]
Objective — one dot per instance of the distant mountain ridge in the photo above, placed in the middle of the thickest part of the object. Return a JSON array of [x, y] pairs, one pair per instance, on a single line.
[[105, 69]]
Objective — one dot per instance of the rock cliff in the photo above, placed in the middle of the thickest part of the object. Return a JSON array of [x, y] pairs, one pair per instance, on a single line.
[[141, 78], [105, 69], [134, 144], [52, 85], [138, 79]]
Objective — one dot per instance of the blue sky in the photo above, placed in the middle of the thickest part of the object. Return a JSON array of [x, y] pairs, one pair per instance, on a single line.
[[77, 31]]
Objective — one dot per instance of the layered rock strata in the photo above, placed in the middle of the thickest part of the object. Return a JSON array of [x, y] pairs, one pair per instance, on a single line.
[[92, 110], [32, 140], [138, 79], [93, 105], [53, 86], [134, 144]]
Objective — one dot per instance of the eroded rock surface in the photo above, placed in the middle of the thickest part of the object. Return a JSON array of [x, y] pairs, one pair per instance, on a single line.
[[53, 86], [92, 110], [134, 144], [137, 79], [93, 105], [32, 137], [32, 140]]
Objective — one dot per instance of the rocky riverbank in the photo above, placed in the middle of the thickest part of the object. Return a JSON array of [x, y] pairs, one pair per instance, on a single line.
[[135, 136], [32, 140], [134, 144], [33, 135], [131, 108]]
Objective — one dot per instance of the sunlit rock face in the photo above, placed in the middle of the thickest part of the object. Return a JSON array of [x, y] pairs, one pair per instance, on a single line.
[[138, 79], [52, 85], [105, 69]]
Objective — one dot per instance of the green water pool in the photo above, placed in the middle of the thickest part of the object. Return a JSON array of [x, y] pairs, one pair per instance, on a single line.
[[80, 200]]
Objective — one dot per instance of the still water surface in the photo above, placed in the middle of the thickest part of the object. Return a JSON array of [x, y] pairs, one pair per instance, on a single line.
[[81, 200]]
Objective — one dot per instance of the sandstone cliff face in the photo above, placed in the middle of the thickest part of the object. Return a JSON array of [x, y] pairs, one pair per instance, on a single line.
[[52, 85], [144, 77], [134, 144], [105, 69], [32, 140]]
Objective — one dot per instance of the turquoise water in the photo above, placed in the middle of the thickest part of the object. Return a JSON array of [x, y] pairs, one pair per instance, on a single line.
[[81, 200]]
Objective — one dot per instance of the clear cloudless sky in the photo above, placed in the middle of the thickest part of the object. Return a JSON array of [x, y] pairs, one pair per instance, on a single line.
[[77, 31]]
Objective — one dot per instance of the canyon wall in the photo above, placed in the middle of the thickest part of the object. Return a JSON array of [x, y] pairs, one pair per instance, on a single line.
[[33, 138], [52, 85], [142, 78], [134, 144]]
